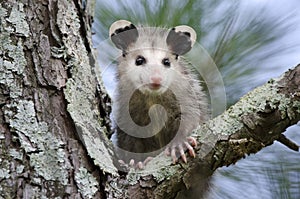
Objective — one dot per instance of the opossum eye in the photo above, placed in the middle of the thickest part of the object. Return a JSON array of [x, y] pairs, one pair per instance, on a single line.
[[140, 60], [166, 62]]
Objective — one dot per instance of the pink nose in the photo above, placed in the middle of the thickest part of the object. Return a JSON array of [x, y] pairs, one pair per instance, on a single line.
[[156, 80]]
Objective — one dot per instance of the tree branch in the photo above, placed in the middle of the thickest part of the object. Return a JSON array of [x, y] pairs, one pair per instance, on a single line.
[[48, 93], [256, 121]]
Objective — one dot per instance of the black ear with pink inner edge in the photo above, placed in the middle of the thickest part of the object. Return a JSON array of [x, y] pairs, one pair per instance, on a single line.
[[181, 39], [123, 33]]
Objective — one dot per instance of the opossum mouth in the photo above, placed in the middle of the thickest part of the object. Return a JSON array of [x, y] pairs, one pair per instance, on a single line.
[[154, 86]]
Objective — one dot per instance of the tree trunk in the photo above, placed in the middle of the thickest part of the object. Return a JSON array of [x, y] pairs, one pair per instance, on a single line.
[[48, 93], [54, 115]]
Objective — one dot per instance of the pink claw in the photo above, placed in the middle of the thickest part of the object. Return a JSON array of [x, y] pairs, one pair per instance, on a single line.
[[167, 151], [173, 155], [192, 141], [140, 165], [190, 149], [148, 159], [131, 163], [182, 155], [180, 148]]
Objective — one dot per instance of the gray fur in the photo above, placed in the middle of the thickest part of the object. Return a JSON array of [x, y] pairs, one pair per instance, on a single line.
[[184, 102]]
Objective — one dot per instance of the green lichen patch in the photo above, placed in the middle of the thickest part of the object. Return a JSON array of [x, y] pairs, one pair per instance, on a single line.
[[259, 100], [3, 12], [4, 173], [49, 158], [16, 154], [18, 19], [12, 60], [159, 167], [86, 183], [81, 88], [20, 169], [16, 64]]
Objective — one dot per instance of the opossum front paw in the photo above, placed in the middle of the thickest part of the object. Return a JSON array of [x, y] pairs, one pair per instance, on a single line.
[[135, 165], [180, 147]]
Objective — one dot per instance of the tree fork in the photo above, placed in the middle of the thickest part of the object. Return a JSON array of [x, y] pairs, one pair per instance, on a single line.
[[53, 139]]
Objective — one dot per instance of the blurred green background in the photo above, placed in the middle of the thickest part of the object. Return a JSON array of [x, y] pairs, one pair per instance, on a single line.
[[250, 41]]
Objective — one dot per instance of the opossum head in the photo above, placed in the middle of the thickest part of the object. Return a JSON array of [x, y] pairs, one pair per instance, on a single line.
[[150, 58]]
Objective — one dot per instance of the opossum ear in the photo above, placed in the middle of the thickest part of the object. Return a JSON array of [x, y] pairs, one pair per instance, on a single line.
[[181, 39], [123, 33]]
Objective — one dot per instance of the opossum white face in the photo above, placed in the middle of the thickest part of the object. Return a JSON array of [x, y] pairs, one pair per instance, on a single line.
[[149, 70], [150, 60]]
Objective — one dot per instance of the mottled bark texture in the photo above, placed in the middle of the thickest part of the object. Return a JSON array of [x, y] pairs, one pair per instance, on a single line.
[[48, 93], [53, 115]]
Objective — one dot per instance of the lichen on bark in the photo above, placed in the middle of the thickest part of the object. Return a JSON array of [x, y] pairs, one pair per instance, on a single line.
[[47, 158], [80, 89], [86, 183]]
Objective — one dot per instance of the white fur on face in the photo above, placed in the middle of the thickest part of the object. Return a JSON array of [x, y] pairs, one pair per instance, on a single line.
[[141, 76]]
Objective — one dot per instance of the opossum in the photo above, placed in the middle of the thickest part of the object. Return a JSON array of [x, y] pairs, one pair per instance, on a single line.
[[159, 100]]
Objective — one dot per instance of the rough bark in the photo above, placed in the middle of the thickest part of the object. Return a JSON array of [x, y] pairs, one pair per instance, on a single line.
[[48, 93], [53, 115]]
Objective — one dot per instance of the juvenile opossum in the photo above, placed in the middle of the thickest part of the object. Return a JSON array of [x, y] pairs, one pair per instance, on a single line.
[[158, 100]]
